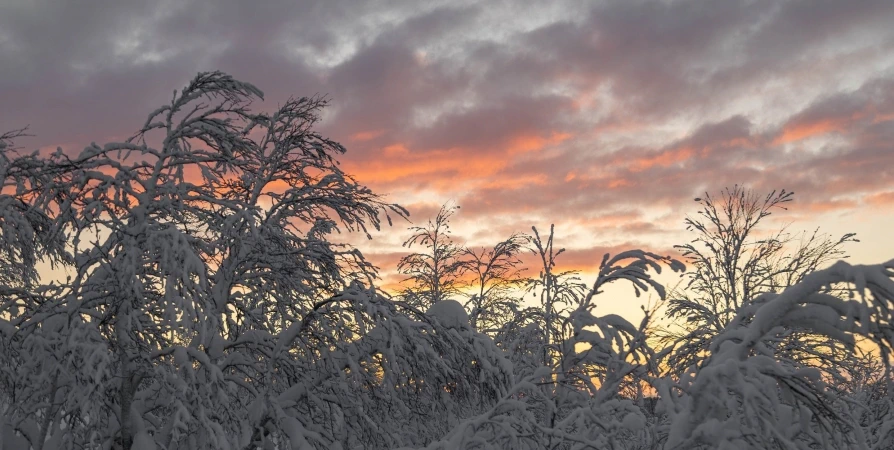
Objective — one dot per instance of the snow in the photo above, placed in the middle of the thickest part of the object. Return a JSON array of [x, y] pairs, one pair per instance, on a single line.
[[450, 314]]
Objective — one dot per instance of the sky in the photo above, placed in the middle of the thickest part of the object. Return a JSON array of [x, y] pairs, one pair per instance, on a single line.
[[604, 118]]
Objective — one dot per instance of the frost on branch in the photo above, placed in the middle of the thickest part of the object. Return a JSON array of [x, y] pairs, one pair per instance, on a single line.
[[193, 245], [744, 396]]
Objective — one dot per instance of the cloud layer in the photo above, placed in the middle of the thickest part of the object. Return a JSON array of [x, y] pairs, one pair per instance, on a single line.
[[605, 118]]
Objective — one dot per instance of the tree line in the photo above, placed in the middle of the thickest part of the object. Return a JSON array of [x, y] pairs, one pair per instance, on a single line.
[[205, 305]]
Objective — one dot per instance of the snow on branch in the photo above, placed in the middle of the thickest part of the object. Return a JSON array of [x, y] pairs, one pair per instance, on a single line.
[[744, 396]]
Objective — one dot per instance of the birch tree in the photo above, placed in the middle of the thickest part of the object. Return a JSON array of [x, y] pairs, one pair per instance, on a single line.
[[733, 261], [434, 273], [496, 276]]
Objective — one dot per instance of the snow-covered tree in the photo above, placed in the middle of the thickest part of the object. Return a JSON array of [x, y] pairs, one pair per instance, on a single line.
[[746, 396], [207, 226], [207, 306], [578, 398], [732, 262], [28, 234]]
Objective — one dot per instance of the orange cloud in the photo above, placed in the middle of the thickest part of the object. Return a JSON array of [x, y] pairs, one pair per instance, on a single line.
[[801, 131], [402, 162], [528, 143], [618, 183], [366, 135], [880, 198], [883, 118], [395, 150], [398, 163], [663, 159], [830, 205], [841, 122], [516, 182], [610, 220]]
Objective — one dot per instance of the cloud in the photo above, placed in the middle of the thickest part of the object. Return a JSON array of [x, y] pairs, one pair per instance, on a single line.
[[884, 199], [604, 118]]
